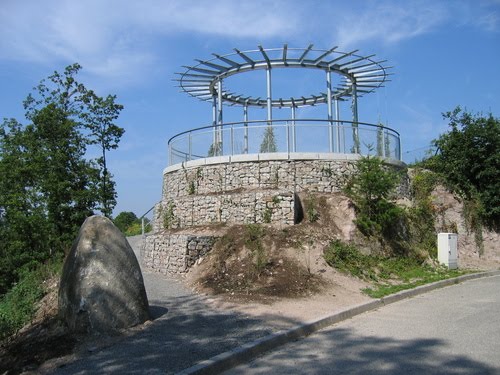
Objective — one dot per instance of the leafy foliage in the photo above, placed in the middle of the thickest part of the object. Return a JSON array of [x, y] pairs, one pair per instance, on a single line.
[[47, 185], [124, 220], [370, 189], [469, 159], [130, 224]]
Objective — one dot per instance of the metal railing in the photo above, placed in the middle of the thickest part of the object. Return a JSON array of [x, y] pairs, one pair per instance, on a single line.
[[143, 221], [285, 136]]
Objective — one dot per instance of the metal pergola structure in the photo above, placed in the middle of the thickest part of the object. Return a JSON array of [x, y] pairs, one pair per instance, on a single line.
[[358, 75]]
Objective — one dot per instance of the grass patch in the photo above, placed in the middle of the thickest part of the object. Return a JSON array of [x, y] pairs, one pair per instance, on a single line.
[[388, 275], [18, 305]]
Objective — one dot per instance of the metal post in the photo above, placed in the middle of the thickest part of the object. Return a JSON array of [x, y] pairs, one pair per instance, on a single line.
[[329, 104], [219, 130], [214, 124], [269, 109], [214, 109], [231, 134], [287, 137], [355, 134], [337, 132], [294, 142], [269, 97], [354, 104], [245, 124]]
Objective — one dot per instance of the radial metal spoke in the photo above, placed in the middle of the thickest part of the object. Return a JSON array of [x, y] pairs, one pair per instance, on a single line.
[[220, 68], [320, 58], [303, 56], [330, 63], [226, 60], [265, 56], [245, 57], [342, 66]]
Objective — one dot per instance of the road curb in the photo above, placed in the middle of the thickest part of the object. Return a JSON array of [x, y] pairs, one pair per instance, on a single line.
[[251, 350]]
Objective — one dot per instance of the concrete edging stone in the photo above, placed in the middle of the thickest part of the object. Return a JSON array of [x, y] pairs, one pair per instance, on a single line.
[[251, 350]]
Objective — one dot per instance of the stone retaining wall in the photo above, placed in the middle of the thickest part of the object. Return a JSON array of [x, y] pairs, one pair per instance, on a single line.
[[325, 176], [174, 253], [261, 206], [237, 190]]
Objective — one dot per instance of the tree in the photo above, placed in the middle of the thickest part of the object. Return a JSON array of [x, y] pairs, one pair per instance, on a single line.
[[469, 158], [106, 135], [268, 141], [93, 116], [48, 186], [23, 224], [370, 189], [124, 220]]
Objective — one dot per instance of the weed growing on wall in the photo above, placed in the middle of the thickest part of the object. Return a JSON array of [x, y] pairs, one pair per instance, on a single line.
[[169, 219], [191, 188], [267, 215]]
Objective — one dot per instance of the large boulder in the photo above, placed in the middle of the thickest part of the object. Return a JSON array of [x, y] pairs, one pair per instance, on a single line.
[[102, 288]]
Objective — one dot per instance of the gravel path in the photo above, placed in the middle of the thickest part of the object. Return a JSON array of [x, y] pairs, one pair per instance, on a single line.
[[186, 329]]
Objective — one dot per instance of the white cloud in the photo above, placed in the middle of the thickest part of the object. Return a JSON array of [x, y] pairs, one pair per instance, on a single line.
[[112, 38], [254, 19], [388, 22], [121, 39]]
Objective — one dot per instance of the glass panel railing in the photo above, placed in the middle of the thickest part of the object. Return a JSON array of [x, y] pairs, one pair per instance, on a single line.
[[287, 136]]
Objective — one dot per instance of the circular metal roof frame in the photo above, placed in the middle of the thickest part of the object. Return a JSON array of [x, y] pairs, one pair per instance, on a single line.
[[359, 74]]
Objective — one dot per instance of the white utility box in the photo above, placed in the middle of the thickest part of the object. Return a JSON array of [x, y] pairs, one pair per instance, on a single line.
[[447, 249]]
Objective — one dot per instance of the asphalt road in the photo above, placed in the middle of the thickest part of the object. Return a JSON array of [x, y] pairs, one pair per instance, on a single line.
[[454, 330]]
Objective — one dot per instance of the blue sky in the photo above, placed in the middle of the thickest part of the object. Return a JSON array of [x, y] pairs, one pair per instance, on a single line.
[[444, 53]]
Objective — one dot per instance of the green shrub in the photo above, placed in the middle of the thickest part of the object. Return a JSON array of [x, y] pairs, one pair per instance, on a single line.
[[370, 189], [18, 305], [468, 159], [389, 274], [253, 240], [346, 258], [312, 213]]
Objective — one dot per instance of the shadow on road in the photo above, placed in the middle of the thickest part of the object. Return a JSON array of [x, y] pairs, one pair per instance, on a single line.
[[349, 353], [186, 331]]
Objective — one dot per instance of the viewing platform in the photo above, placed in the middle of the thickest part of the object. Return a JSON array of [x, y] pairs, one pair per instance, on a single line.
[[332, 139]]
